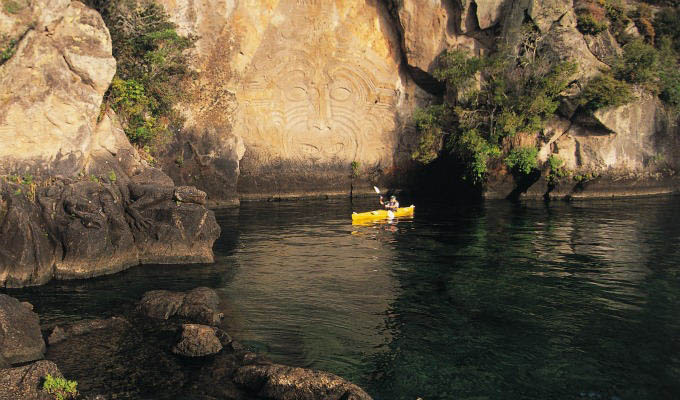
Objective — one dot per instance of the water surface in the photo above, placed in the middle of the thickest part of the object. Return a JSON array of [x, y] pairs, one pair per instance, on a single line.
[[489, 301]]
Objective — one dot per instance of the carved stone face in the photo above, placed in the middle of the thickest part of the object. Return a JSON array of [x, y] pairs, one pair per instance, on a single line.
[[319, 108]]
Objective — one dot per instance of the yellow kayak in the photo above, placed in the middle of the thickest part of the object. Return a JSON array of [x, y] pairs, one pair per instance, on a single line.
[[383, 214]]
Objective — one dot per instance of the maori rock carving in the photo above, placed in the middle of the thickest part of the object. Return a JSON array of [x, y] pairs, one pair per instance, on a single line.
[[315, 92]]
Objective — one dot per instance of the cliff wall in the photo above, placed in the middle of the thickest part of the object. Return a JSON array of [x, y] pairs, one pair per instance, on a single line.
[[76, 199], [297, 97]]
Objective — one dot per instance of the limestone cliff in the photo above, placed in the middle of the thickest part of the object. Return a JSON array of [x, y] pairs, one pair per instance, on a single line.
[[76, 200]]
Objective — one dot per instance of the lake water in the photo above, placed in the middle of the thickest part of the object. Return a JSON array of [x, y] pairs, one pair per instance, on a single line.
[[490, 301]]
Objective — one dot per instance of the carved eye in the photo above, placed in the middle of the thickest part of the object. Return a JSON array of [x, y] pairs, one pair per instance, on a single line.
[[340, 93], [296, 93]]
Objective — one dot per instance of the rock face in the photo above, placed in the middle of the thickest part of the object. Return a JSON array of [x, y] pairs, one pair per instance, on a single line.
[[58, 76], [20, 337], [291, 98], [354, 73], [76, 200], [344, 98], [79, 229], [280, 382], [26, 382]]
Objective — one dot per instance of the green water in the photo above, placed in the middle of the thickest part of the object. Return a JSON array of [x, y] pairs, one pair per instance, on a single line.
[[489, 301]]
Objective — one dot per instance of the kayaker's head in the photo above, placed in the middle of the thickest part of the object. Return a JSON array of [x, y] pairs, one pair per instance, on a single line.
[[393, 198]]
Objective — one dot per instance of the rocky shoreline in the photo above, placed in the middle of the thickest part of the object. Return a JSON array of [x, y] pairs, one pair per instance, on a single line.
[[100, 224], [174, 345]]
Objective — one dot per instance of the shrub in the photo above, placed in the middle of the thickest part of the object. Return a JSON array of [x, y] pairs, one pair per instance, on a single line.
[[61, 388], [669, 73], [556, 169], [639, 63], [643, 16], [458, 68], [428, 123], [151, 67], [518, 91], [591, 17], [522, 160], [355, 169], [604, 91], [7, 52], [667, 24]]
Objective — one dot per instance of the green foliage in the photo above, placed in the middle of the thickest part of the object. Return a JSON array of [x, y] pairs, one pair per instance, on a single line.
[[429, 125], [516, 92], [556, 169], [151, 66], [475, 151], [112, 176], [586, 23], [61, 388], [604, 91], [7, 52], [667, 24], [591, 16], [13, 6], [93, 178], [669, 73], [639, 64], [522, 160], [643, 16], [355, 169], [459, 68]]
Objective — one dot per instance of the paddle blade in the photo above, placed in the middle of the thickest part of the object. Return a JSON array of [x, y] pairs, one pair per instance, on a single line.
[[376, 189]]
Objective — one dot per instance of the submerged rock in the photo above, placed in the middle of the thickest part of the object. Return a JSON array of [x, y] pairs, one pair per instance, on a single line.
[[20, 337], [197, 341], [26, 382], [281, 382], [198, 305], [60, 334]]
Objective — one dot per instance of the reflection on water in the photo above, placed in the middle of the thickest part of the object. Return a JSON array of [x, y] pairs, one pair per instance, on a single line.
[[491, 301]]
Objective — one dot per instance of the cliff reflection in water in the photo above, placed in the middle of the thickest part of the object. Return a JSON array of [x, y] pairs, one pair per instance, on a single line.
[[497, 300], [533, 301]]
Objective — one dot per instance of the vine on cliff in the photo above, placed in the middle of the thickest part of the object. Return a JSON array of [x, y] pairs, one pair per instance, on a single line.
[[152, 64]]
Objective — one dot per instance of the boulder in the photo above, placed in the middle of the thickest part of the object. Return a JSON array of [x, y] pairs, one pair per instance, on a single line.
[[201, 305], [20, 337], [197, 341], [26, 382], [160, 304], [280, 382], [198, 305]]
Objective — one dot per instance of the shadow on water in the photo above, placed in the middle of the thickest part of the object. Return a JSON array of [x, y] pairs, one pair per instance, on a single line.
[[486, 301]]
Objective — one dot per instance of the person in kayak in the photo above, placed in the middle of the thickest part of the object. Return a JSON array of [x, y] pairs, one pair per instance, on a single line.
[[391, 205]]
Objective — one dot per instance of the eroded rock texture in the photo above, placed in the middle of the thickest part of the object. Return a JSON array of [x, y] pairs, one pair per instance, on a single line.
[[307, 87], [52, 87], [281, 382], [76, 200]]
